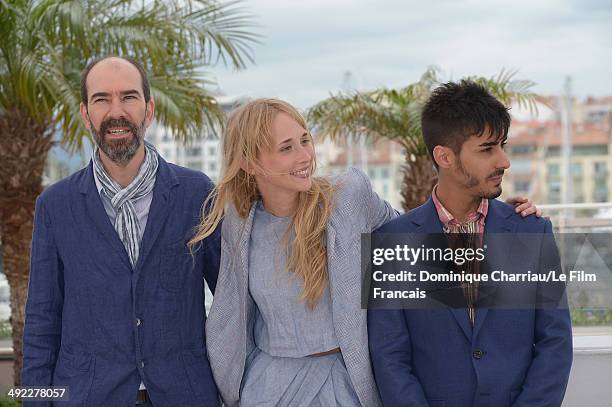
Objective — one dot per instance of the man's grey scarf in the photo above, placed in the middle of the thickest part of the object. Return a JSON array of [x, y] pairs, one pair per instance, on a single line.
[[122, 199]]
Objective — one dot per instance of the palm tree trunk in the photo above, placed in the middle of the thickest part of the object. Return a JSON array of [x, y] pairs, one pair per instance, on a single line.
[[419, 180], [24, 145]]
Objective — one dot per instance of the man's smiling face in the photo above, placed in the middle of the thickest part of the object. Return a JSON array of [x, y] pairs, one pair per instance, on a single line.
[[116, 111]]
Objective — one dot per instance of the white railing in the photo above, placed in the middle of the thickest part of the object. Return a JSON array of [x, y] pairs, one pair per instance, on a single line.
[[580, 216]]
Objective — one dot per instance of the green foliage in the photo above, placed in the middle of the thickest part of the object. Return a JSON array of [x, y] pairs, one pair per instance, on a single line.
[[396, 113], [584, 317], [9, 403], [5, 329], [46, 44]]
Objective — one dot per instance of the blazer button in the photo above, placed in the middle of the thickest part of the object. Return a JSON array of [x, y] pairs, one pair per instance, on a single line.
[[138, 321], [141, 364], [477, 354]]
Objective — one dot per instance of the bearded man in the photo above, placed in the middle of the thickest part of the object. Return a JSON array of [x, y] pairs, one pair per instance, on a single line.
[[115, 309]]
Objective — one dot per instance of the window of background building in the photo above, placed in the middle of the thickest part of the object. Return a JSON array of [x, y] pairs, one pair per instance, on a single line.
[[521, 166], [195, 165], [384, 173], [590, 150], [553, 170], [600, 168], [521, 187], [518, 150], [554, 192], [600, 190], [194, 151], [553, 151]]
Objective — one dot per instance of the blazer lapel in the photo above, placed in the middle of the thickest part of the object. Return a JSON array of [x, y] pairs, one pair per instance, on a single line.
[[161, 206], [330, 236], [426, 219], [94, 210], [244, 231], [428, 222], [345, 290], [498, 221], [238, 232]]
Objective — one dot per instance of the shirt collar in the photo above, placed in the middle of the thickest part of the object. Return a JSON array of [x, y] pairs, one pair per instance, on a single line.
[[98, 183], [447, 218]]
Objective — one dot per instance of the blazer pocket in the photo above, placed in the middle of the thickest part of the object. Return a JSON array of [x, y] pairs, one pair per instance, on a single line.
[[76, 372], [174, 265]]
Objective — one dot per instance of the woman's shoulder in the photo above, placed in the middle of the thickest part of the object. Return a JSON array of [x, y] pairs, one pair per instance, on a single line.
[[350, 184], [351, 190], [233, 226]]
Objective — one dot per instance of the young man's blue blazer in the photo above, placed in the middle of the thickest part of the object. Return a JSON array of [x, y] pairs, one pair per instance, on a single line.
[[97, 325], [434, 358]]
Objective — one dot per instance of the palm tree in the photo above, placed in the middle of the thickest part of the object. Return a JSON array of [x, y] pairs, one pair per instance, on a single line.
[[395, 114], [46, 43]]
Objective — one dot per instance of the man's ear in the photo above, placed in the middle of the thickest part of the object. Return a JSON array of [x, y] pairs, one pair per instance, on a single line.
[[444, 156], [85, 115], [149, 112]]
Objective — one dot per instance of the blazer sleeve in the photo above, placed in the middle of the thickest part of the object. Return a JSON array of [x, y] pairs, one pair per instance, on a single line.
[[43, 314], [378, 210], [391, 355], [548, 374]]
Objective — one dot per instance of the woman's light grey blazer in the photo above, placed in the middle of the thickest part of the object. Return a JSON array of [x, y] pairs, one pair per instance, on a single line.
[[229, 327]]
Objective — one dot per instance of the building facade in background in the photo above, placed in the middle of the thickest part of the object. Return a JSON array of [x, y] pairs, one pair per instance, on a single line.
[[201, 154], [535, 151], [382, 160]]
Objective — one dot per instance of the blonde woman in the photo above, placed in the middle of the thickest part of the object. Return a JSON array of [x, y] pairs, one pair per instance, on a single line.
[[286, 327]]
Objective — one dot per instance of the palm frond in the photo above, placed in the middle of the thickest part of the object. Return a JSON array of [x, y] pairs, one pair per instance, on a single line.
[[395, 114], [179, 100], [46, 43], [509, 90]]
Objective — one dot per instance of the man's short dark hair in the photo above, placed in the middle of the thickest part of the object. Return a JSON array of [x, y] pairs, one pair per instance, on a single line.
[[146, 88], [457, 111]]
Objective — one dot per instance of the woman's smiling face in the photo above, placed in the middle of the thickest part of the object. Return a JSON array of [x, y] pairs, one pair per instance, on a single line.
[[286, 168]]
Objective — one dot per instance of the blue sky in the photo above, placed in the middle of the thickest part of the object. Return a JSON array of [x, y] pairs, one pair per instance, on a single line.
[[308, 45]]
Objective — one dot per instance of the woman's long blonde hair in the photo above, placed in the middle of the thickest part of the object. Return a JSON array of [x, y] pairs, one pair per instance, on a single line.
[[248, 132]]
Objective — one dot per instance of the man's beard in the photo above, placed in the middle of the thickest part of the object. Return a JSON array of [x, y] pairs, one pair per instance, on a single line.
[[471, 181], [119, 151]]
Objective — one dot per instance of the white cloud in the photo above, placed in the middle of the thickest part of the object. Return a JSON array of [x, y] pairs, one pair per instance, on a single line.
[[309, 44]]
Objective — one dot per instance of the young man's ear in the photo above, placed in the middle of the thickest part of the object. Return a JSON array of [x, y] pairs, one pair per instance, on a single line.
[[85, 115], [444, 156]]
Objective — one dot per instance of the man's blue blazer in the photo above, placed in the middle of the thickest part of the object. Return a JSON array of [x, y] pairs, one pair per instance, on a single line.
[[435, 358], [100, 327]]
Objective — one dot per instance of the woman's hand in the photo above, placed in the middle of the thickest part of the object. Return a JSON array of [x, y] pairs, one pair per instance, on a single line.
[[524, 206]]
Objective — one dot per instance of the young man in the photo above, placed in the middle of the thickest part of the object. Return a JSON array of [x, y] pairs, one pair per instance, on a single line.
[[115, 308], [476, 355]]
